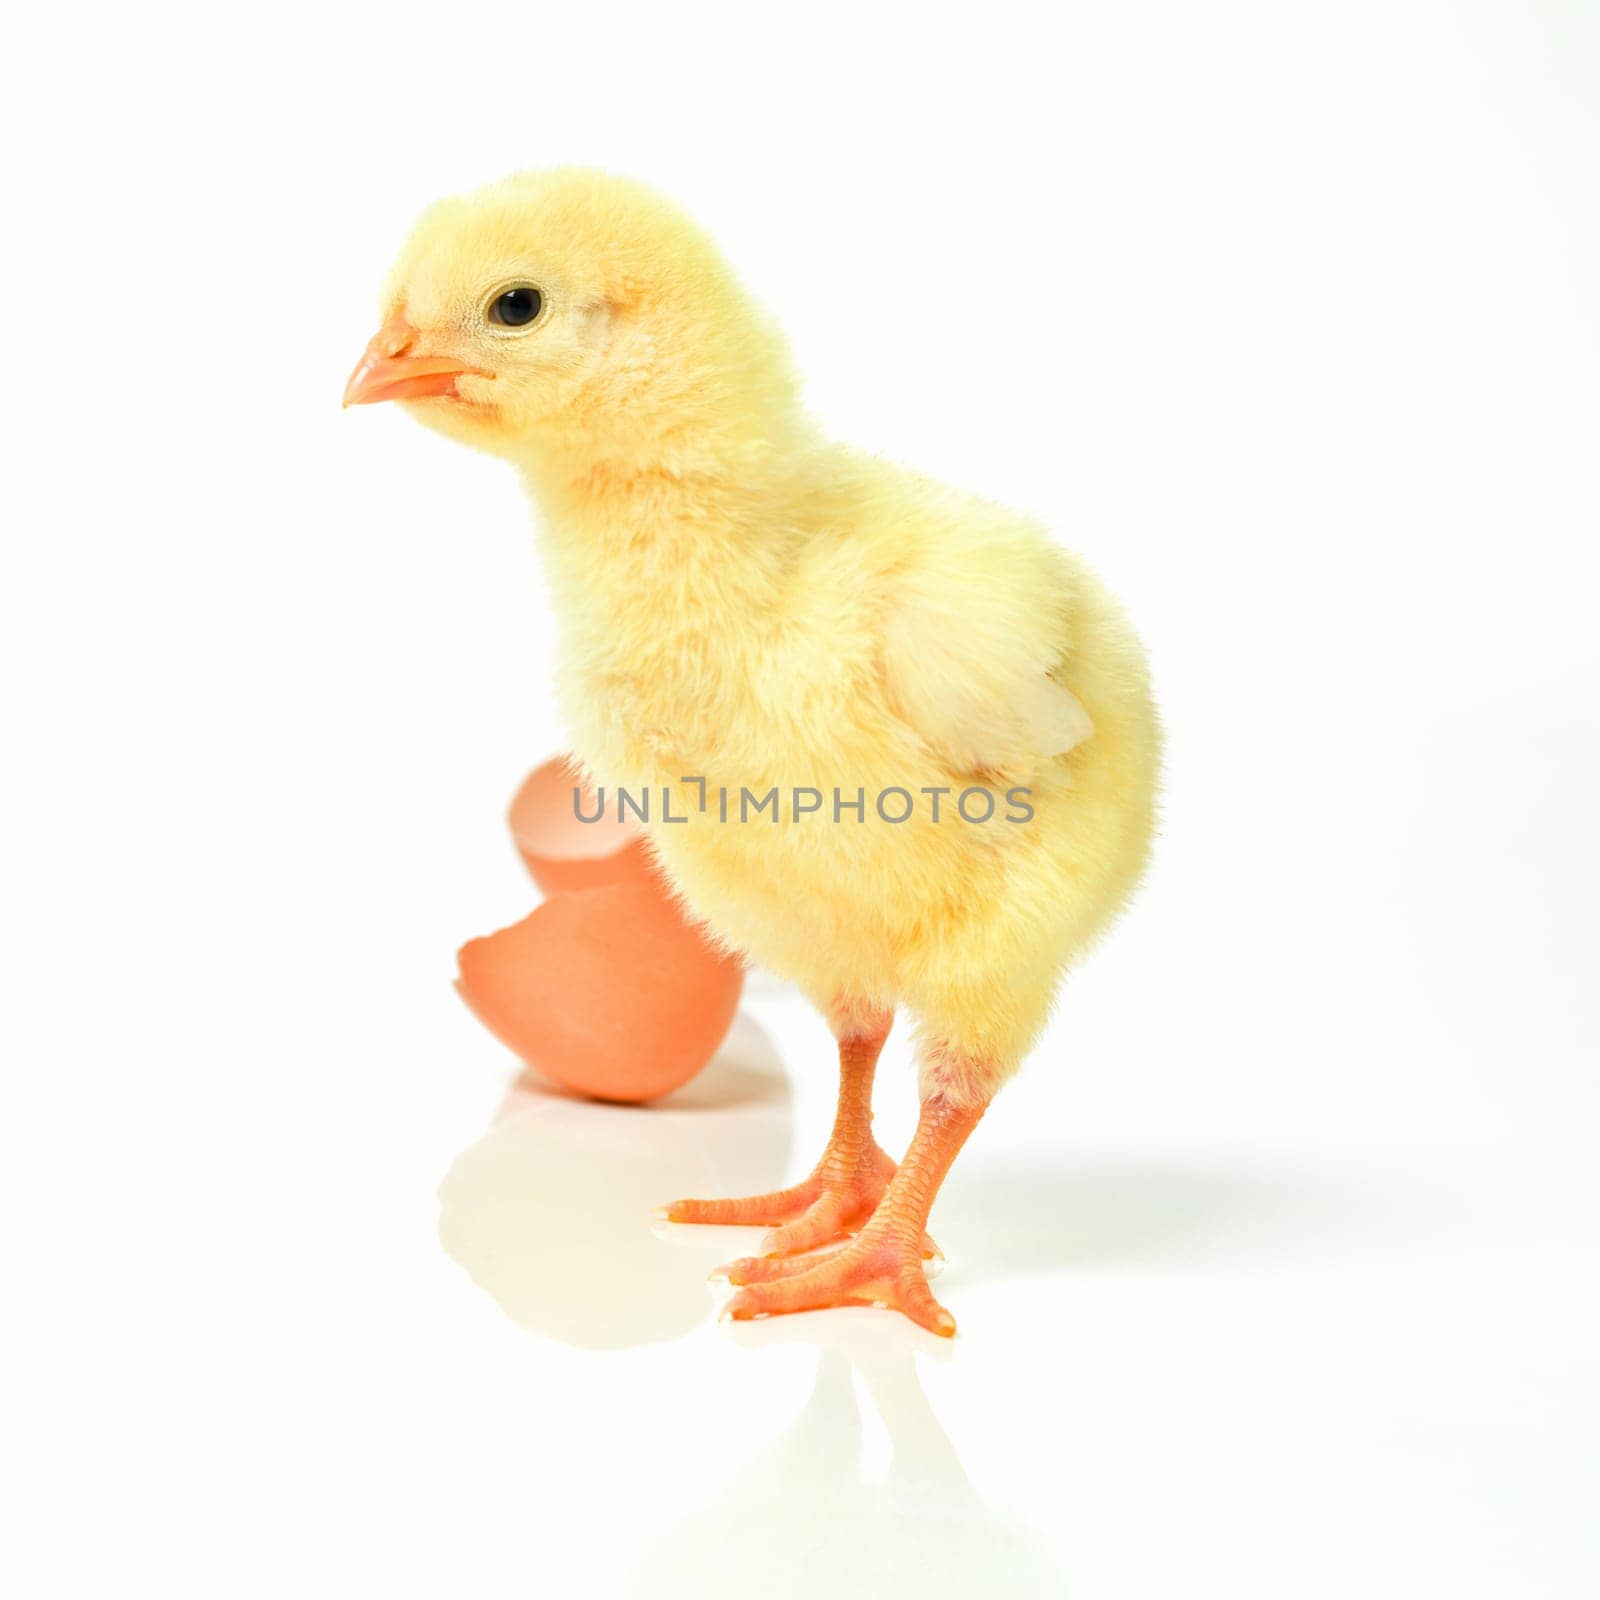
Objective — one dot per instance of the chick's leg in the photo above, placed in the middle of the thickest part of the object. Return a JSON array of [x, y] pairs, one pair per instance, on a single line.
[[882, 1265], [849, 1180]]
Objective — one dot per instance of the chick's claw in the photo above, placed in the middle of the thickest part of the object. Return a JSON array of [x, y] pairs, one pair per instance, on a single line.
[[835, 1201], [885, 1269], [769, 1269], [787, 1264], [757, 1210], [827, 1218]]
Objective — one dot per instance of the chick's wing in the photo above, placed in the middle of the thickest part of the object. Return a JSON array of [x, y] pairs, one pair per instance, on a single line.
[[975, 638]]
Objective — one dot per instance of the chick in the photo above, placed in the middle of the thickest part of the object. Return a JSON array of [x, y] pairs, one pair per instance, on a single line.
[[746, 607]]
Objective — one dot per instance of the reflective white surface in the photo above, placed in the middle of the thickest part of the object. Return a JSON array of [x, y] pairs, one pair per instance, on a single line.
[[1250, 1284], [1367, 1365], [1199, 1349]]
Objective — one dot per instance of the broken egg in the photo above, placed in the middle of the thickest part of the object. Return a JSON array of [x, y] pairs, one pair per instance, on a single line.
[[560, 849], [609, 991]]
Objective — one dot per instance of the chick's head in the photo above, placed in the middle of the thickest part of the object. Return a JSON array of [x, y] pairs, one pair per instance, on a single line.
[[572, 312]]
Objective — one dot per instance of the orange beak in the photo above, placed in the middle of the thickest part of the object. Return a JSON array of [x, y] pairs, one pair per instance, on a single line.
[[388, 372]]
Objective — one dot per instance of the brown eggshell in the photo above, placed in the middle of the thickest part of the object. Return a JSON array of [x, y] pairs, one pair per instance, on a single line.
[[561, 851], [608, 991]]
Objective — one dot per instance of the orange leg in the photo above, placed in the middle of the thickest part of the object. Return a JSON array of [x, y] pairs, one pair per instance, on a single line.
[[845, 1186], [882, 1265]]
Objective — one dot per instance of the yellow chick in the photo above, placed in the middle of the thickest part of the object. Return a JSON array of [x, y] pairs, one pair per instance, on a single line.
[[897, 745]]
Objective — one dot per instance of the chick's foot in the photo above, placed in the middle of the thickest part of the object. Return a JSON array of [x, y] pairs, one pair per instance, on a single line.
[[846, 1185], [835, 1201], [882, 1266]]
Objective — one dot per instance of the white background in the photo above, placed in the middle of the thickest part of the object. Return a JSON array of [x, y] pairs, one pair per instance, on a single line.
[[1273, 1269]]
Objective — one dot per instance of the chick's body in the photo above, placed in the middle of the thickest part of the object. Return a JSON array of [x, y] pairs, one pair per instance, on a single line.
[[746, 608], [785, 635]]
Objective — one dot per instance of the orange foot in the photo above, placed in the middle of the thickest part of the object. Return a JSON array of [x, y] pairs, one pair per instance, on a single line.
[[835, 1201], [881, 1266]]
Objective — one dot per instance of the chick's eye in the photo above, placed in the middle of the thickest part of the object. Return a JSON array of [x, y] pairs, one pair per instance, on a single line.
[[516, 308]]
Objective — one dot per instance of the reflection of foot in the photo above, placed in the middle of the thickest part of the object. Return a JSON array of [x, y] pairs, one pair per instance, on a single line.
[[882, 1266], [835, 1200]]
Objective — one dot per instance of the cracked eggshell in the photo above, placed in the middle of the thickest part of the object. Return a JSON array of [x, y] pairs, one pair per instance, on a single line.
[[609, 991], [561, 851]]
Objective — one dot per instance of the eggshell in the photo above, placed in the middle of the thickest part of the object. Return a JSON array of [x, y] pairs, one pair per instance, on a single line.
[[563, 852], [608, 991]]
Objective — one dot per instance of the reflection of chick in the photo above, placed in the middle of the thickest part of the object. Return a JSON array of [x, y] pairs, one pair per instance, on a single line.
[[804, 1519], [747, 604]]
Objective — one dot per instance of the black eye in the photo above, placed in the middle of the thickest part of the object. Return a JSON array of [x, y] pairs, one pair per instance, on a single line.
[[516, 308]]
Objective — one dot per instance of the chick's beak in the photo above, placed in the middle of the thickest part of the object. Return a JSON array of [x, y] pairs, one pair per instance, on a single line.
[[390, 370]]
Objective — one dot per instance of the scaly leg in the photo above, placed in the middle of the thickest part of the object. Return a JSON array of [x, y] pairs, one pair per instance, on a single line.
[[883, 1264], [845, 1186]]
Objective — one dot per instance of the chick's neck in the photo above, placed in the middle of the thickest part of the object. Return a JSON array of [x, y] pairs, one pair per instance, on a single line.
[[656, 561]]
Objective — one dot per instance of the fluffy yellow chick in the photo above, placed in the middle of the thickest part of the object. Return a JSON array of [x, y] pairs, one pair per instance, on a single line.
[[747, 606]]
